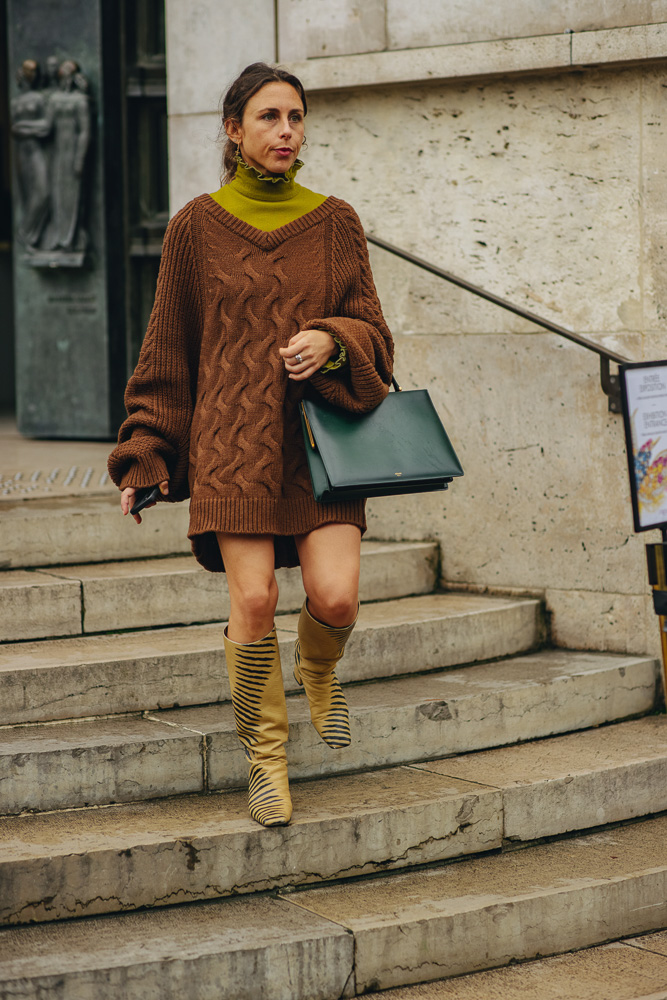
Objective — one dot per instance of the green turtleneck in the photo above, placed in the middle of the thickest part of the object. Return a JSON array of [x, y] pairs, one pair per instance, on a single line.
[[266, 202]]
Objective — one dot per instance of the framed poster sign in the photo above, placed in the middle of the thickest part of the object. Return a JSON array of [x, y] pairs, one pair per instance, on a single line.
[[644, 395]]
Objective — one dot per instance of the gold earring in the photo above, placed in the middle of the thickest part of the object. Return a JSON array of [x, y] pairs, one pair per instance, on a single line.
[[304, 144]]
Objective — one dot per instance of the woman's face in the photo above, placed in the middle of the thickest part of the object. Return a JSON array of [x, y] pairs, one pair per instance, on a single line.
[[271, 132]]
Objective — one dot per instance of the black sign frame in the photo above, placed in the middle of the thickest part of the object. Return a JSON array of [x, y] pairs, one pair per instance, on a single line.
[[631, 453]]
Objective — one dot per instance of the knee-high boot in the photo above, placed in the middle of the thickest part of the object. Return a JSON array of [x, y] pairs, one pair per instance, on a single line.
[[260, 712], [318, 649]]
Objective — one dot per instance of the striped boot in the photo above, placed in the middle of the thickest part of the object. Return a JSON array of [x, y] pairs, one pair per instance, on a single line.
[[318, 649], [260, 712]]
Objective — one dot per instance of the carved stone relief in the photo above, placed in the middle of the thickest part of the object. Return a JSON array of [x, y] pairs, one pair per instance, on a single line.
[[51, 128]]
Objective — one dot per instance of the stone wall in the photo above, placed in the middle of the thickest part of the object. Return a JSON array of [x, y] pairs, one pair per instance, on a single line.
[[545, 187], [312, 28]]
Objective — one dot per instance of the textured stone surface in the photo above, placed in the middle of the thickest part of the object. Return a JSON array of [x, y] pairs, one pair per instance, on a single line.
[[641, 41], [538, 53], [436, 63], [208, 46], [161, 668], [537, 190], [149, 593], [178, 850], [98, 675], [36, 468], [615, 971], [436, 630], [37, 604], [255, 949], [480, 913], [494, 154], [533, 491], [573, 782], [308, 28], [170, 851], [449, 22], [654, 942], [87, 763], [135, 594], [194, 154], [599, 620], [393, 722], [439, 714], [71, 530], [654, 191]]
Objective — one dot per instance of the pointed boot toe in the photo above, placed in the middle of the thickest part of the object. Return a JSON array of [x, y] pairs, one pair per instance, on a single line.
[[269, 800]]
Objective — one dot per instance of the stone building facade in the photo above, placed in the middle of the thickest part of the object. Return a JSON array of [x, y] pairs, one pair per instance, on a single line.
[[521, 147]]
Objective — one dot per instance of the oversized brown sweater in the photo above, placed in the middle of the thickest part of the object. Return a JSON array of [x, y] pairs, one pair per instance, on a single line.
[[210, 405]]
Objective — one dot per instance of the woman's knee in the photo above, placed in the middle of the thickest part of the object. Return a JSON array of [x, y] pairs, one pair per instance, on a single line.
[[254, 599], [334, 604]]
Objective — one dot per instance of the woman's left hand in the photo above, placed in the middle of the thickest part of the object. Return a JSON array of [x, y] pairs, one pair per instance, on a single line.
[[313, 347]]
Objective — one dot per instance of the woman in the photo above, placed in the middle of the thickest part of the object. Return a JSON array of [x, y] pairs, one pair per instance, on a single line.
[[264, 291], [70, 112], [30, 128]]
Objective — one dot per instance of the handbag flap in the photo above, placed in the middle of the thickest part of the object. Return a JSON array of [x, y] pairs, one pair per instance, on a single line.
[[402, 438]]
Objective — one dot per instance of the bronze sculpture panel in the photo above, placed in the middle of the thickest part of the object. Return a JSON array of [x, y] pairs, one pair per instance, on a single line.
[[52, 131]]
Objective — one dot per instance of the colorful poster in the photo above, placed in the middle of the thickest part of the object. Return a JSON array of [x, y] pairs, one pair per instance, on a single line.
[[645, 413]]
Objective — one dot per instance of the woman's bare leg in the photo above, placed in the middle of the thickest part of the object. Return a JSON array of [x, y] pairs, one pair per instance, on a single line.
[[251, 579], [330, 559]]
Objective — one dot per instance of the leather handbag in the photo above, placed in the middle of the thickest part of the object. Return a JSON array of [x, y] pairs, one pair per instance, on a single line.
[[399, 447]]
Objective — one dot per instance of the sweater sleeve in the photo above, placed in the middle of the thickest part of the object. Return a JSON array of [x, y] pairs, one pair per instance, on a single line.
[[358, 322], [153, 442]]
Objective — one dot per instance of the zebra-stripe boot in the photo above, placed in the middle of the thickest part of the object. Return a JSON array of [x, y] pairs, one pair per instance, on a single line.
[[260, 712], [318, 649]]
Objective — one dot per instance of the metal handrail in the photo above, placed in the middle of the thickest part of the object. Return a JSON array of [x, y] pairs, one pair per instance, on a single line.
[[610, 383]]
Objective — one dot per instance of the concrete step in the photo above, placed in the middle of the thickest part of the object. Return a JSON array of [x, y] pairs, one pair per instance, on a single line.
[[160, 668], [37, 604], [440, 714], [81, 862], [66, 530], [486, 912], [342, 940], [634, 969], [68, 764], [102, 597], [55, 866]]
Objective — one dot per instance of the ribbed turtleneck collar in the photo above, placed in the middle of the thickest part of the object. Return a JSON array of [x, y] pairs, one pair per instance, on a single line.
[[251, 183]]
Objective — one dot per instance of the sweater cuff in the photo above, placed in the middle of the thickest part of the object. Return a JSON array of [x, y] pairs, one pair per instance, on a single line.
[[333, 364], [149, 469]]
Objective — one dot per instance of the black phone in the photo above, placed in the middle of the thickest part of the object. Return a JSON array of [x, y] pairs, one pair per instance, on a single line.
[[145, 496]]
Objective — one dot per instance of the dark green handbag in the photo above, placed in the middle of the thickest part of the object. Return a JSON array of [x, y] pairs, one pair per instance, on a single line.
[[399, 447]]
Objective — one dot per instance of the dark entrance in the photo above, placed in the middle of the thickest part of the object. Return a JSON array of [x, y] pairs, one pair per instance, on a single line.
[[146, 172]]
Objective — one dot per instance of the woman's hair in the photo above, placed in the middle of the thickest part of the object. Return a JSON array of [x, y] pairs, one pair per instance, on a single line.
[[237, 96]]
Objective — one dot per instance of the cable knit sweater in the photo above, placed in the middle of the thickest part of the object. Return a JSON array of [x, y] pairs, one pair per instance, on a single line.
[[210, 406]]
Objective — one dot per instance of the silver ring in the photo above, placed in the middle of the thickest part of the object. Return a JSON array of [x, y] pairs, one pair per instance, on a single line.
[[298, 359]]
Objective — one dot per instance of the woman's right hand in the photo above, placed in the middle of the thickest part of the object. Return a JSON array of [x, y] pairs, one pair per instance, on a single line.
[[128, 495]]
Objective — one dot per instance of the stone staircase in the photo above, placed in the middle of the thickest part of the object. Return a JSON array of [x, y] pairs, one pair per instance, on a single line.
[[501, 800]]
